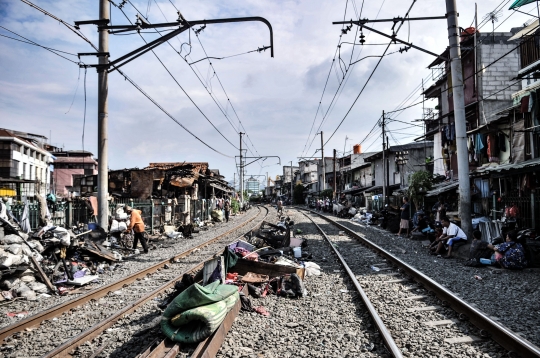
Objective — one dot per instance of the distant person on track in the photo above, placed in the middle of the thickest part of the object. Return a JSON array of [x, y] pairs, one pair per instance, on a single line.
[[227, 208], [280, 207], [137, 225], [405, 216]]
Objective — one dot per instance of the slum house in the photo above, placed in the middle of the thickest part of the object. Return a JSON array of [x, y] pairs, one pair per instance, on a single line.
[[355, 176], [24, 164], [290, 174], [187, 189], [308, 177], [401, 161], [329, 165], [70, 166], [501, 116], [508, 180]]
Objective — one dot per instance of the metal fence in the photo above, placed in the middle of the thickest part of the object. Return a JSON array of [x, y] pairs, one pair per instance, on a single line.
[[529, 210], [154, 213]]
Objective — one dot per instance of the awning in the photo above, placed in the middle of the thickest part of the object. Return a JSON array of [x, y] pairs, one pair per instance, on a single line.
[[442, 188], [220, 187], [356, 190], [526, 166], [528, 30]]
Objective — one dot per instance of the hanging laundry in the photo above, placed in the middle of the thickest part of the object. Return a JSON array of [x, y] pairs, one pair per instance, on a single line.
[[525, 104], [479, 144], [492, 149], [452, 130]]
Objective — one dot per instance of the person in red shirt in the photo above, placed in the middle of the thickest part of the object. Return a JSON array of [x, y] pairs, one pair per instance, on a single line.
[[137, 225]]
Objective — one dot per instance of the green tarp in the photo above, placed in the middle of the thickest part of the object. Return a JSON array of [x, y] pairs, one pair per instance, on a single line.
[[198, 311], [519, 3]]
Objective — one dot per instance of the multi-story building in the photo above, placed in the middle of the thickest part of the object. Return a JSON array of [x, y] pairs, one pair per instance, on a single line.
[[252, 186], [24, 164], [69, 167], [308, 176], [289, 174]]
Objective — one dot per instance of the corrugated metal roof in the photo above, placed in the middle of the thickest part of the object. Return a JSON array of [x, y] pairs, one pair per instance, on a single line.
[[443, 187]]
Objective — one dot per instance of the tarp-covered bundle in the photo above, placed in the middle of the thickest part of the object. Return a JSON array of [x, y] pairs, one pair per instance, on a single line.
[[198, 311]]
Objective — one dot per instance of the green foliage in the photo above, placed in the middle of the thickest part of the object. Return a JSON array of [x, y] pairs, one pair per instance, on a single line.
[[235, 206], [327, 193], [298, 194], [419, 183]]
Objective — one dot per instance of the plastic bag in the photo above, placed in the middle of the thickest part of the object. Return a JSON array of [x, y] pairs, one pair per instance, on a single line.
[[15, 249], [11, 239]]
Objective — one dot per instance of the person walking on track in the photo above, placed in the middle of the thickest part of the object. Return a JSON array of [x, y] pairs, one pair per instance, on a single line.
[[137, 225]]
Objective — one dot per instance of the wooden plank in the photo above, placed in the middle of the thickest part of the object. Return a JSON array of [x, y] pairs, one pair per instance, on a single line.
[[44, 277], [244, 266], [396, 281]]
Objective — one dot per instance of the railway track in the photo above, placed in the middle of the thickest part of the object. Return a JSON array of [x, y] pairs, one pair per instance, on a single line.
[[65, 327], [415, 315]]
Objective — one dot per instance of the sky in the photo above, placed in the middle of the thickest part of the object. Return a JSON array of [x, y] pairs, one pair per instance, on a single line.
[[274, 100]]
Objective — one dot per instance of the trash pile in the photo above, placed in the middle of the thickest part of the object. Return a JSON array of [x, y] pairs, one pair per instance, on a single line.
[[51, 260], [274, 261]]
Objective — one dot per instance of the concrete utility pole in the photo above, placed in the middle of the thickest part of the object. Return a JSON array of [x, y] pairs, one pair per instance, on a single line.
[[103, 119], [241, 174], [384, 158], [459, 118], [323, 164], [334, 192], [291, 183]]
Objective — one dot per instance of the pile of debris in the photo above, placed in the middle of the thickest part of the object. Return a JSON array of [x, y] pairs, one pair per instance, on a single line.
[[274, 261], [51, 260]]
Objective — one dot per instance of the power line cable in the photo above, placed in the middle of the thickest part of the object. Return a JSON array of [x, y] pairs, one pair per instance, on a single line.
[[30, 42], [370, 76], [180, 86]]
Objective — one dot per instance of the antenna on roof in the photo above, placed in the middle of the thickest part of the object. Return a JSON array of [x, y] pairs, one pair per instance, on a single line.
[[493, 16]]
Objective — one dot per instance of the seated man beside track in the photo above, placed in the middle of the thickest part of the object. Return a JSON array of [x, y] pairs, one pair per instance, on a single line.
[[452, 235]]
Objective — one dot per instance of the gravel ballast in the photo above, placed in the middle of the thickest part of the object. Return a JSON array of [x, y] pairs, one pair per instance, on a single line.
[[52, 333], [330, 322], [511, 297], [392, 300]]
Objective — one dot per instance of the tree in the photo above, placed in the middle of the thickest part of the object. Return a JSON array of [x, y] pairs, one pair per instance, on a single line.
[[298, 194], [419, 183], [327, 193]]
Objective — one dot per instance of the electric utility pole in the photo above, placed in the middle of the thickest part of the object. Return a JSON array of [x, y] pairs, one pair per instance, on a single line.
[[459, 118], [323, 164], [241, 174], [334, 193], [291, 183], [383, 158], [103, 119], [104, 66]]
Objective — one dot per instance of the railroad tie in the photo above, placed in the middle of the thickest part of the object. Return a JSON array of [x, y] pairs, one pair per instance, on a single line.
[[463, 339], [397, 281], [443, 322], [427, 308], [415, 298]]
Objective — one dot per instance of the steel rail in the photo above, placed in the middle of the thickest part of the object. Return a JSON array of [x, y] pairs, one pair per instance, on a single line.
[[381, 327], [35, 320], [500, 334], [67, 348]]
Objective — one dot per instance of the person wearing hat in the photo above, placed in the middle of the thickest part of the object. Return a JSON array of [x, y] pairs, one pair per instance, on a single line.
[[137, 225]]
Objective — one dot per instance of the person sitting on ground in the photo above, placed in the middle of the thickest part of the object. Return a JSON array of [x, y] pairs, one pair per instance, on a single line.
[[435, 239], [405, 216], [421, 225], [453, 234], [510, 254], [137, 225]]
